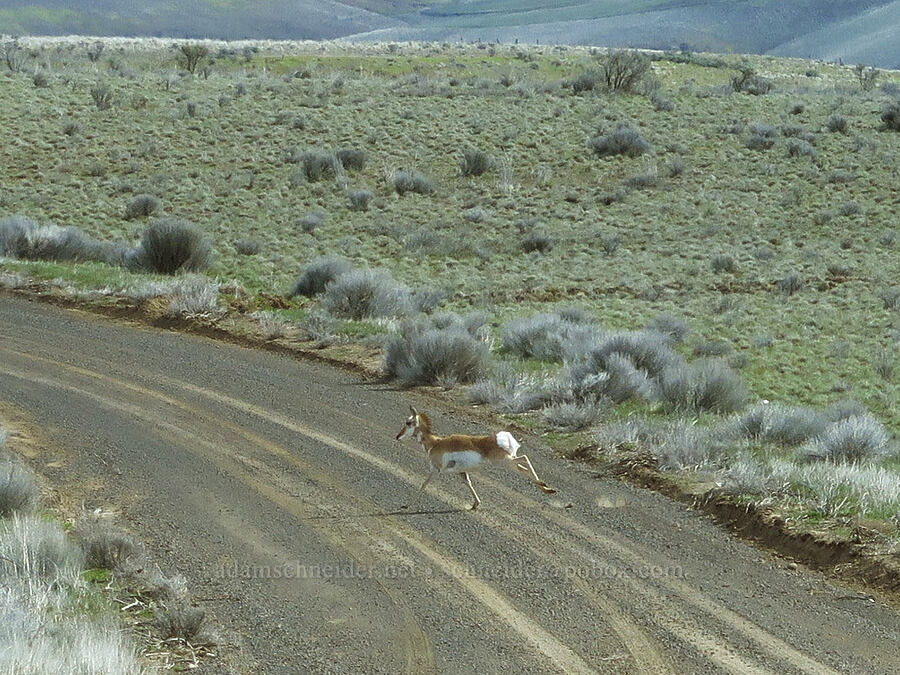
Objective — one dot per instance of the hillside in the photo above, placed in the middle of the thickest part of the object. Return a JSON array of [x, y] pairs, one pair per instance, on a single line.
[[225, 19], [848, 30]]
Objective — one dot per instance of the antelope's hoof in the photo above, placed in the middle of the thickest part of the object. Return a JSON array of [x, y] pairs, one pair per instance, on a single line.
[[475, 506], [547, 490]]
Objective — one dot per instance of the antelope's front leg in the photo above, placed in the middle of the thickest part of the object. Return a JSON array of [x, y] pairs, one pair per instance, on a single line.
[[431, 475]]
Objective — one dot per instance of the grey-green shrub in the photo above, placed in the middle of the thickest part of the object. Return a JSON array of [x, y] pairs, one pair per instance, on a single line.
[[366, 294], [475, 162], [546, 337], [171, 245], [426, 356], [623, 70], [623, 140], [790, 284], [318, 274], [412, 181], [853, 439], [702, 386], [50, 242], [723, 262], [104, 545], [247, 246], [102, 96], [747, 81], [837, 124], [318, 165], [312, 221], [762, 136], [675, 329], [360, 199], [891, 117], [18, 488], [648, 350], [799, 148], [537, 242], [352, 159], [180, 621], [569, 416], [38, 549], [142, 206], [782, 424], [585, 81], [13, 232]]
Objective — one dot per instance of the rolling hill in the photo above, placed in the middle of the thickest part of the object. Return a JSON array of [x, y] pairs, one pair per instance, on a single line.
[[849, 30]]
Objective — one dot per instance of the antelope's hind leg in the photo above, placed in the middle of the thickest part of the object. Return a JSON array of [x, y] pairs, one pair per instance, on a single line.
[[524, 465], [468, 482]]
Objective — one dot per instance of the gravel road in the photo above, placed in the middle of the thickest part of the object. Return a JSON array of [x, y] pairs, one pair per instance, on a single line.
[[275, 486]]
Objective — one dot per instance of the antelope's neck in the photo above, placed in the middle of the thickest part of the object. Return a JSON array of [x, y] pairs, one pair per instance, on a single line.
[[428, 439]]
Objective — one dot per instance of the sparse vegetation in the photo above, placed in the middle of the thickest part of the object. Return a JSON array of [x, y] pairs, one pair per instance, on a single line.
[[749, 82]]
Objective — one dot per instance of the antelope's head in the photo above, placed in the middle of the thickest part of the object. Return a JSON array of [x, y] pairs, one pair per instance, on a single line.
[[413, 423]]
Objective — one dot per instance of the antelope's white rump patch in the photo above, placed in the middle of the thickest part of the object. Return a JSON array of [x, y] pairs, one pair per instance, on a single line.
[[506, 441]]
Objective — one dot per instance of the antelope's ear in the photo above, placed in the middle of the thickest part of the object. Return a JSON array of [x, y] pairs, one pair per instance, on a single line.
[[413, 410]]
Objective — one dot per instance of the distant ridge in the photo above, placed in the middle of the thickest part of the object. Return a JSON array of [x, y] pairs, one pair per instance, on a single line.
[[872, 38], [854, 31]]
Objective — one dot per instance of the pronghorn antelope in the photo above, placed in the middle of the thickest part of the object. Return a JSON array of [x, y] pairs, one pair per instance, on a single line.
[[460, 453]]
